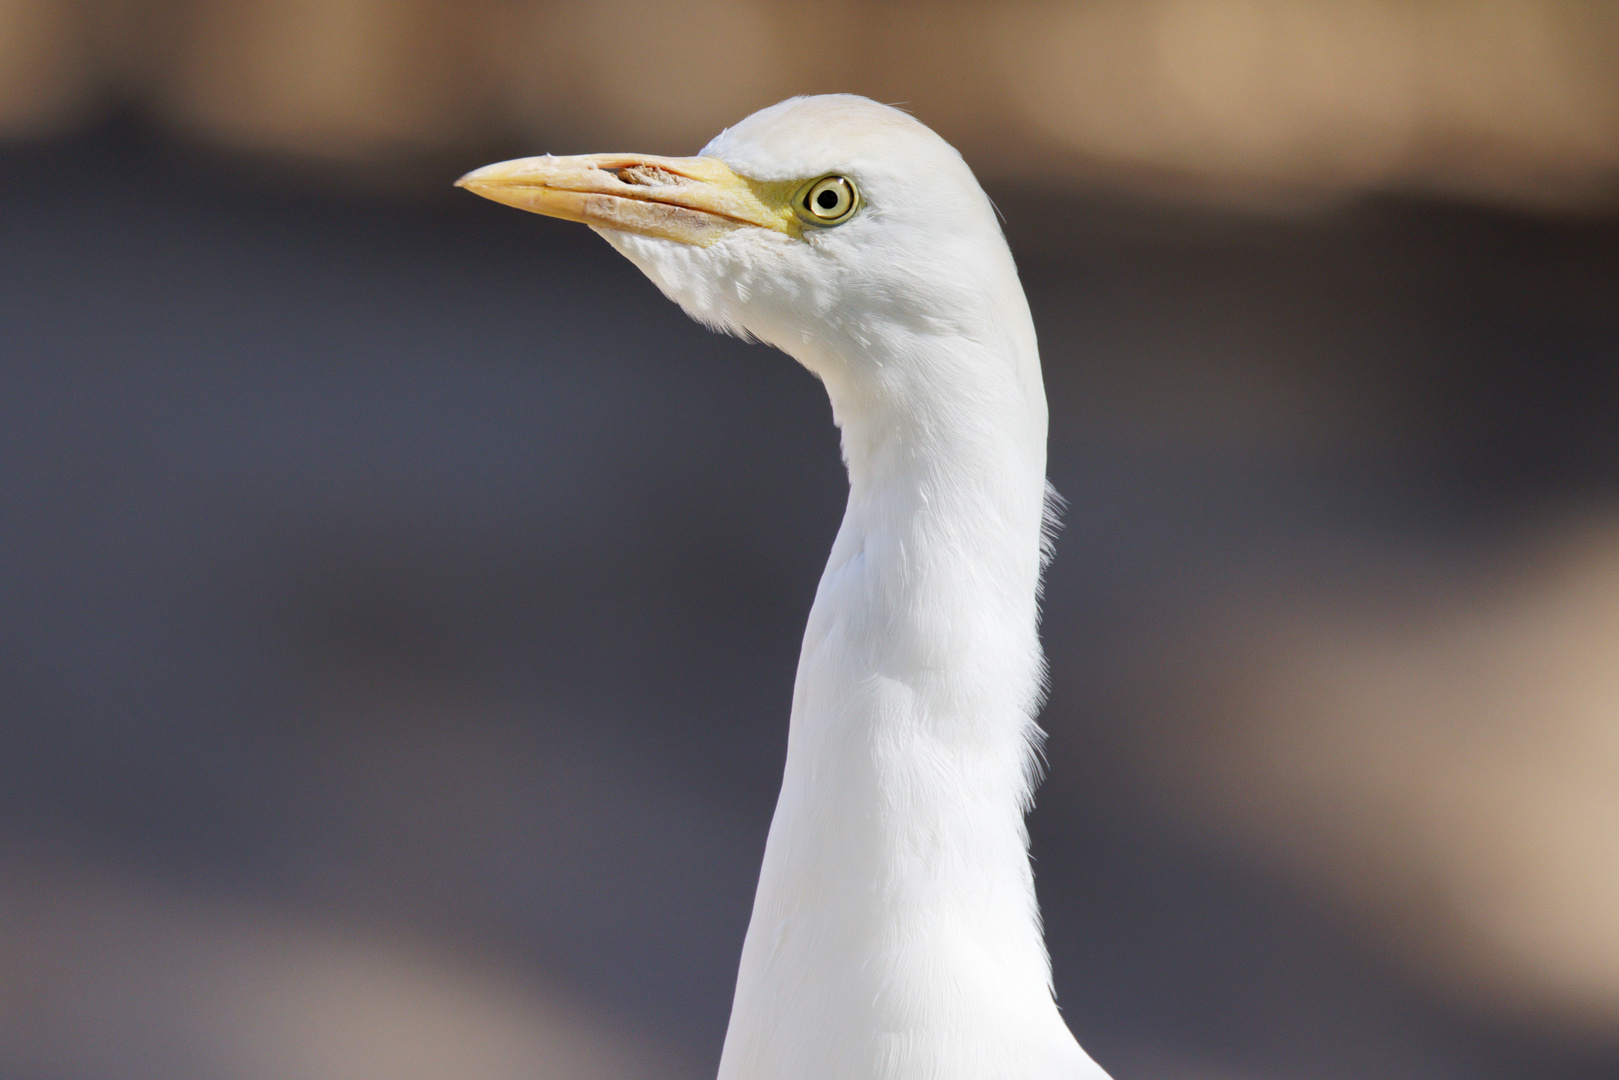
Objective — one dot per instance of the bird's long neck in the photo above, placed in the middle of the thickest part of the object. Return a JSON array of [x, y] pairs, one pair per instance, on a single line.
[[895, 932]]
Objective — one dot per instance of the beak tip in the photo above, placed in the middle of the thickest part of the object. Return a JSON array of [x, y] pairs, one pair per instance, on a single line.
[[484, 175]]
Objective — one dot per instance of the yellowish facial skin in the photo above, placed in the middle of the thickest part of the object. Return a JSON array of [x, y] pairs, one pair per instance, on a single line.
[[693, 200]]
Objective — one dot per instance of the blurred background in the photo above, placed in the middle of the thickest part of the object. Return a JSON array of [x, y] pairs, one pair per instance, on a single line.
[[399, 599]]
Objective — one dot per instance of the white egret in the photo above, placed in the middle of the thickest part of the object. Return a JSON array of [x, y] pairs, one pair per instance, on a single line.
[[895, 933]]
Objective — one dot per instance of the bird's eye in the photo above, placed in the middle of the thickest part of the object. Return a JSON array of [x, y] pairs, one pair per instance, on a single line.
[[831, 200]]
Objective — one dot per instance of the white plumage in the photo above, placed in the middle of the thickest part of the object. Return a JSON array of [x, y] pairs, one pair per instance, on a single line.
[[895, 933]]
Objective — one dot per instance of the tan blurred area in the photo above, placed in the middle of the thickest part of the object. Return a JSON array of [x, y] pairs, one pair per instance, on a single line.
[[1251, 102], [1436, 747], [108, 975]]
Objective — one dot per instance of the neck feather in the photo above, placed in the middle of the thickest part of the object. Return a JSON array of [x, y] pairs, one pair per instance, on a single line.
[[895, 931]]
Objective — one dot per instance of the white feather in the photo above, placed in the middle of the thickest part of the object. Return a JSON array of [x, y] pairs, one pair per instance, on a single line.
[[895, 934]]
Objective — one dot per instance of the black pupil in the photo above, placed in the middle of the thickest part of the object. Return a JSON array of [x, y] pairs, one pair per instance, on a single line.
[[827, 199]]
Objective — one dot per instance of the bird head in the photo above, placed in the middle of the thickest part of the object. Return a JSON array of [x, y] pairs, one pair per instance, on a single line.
[[831, 227]]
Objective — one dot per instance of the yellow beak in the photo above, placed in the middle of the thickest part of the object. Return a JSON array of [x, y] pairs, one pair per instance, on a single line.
[[692, 200]]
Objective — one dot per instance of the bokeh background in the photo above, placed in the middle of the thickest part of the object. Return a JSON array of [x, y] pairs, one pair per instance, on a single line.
[[399, 599]]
